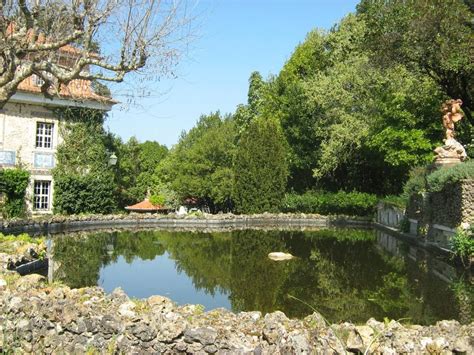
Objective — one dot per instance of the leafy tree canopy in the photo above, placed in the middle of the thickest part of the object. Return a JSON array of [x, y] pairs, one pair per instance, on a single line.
[[433, 37]]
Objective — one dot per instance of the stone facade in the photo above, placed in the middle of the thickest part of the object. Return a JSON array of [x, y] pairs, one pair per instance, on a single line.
[[18, 146], [29, 137]]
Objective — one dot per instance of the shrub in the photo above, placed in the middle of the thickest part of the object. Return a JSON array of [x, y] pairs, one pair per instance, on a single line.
[[449, 175], [395, 201], [416, 182], [74, 194], [350, 203], [462, 244], [158, 200], [13, 182]]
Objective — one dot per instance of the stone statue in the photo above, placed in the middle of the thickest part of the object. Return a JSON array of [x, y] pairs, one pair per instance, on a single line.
[[452, 114], [452, 151]]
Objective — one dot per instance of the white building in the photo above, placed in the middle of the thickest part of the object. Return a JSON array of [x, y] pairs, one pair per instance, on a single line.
[[30, 134]]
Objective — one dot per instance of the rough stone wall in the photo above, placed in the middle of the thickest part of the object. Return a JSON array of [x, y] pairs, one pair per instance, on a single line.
[[37, 318], [467, 207], [445, 206], [453, 205], [449, 207], [414, 209], [18, 131], [389, 215]]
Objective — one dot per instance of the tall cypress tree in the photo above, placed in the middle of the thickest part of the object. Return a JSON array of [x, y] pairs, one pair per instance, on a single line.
[[260, 167]]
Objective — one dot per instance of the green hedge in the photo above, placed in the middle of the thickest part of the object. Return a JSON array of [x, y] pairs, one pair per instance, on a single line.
[[348, 203], [13, 183], [449, 175], [74, 194], [395, 201]]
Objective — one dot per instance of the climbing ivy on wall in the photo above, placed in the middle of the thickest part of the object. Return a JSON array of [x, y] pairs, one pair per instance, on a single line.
[[13, 184], [84, 182]]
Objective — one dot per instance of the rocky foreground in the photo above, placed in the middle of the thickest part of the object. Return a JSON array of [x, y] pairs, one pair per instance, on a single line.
[[36, 317]]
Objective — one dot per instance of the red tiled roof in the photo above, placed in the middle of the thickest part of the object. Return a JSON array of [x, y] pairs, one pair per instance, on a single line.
[[145, 205], [76, 89]]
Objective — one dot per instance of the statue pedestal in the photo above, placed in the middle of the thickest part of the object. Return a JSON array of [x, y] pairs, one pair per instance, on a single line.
[[451, 153], [446, 162]]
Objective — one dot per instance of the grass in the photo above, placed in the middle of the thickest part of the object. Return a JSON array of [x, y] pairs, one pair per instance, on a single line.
[[18, 243], [141, 305]]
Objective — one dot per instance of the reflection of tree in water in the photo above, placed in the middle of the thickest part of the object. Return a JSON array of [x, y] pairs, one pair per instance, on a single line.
[[341, 273], [464, 294], [80, 258], [204, 257], [233, 263], [255, 279], [416, 291], [341, 265]]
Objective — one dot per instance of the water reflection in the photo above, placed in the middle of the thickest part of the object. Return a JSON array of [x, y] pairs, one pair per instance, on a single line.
[[347, 275]]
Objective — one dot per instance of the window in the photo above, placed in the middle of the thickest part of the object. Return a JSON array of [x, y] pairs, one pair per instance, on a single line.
[[41, 198], [37, 80], [44, 135]]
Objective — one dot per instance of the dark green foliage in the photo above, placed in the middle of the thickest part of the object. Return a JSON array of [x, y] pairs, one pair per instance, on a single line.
[[13, 183], [84, 182], [416, 182], [87, 116], [433, 37], [136, 166], [348, 203], [260, 168], [76, 194], [349, 123], [449, 175], [404, 225]]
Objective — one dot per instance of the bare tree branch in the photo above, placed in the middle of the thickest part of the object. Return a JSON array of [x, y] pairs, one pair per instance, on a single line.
[[66, 40]]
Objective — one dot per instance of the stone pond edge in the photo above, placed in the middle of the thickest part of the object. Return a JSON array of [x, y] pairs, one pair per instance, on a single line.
[[57, 224]]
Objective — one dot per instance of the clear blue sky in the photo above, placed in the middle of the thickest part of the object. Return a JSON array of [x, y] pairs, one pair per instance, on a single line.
[[236, 37]]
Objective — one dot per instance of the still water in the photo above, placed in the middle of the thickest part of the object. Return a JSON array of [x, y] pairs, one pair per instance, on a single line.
[[345, 274]]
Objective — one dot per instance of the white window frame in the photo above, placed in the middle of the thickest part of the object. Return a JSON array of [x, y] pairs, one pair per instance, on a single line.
[[37, 80], [42, 195], [44, 135]]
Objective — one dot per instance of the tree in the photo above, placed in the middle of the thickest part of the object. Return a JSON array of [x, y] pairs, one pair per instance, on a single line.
[[200, 164], [351, 124], [136, 165], [297, 117], [256, 98], [434, 37], [59, 40], [260, 167]]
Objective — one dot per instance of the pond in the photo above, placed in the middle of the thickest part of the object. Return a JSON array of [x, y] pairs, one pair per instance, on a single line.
[[345, 274]]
